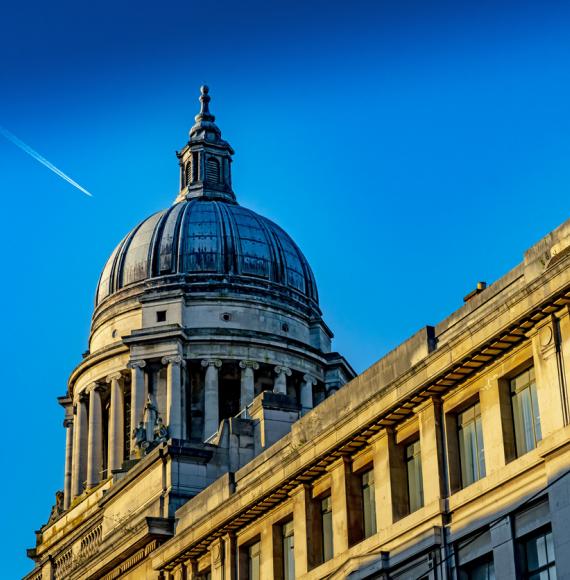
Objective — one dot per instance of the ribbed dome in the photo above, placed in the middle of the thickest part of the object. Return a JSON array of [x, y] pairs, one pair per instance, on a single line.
[[213, 245]]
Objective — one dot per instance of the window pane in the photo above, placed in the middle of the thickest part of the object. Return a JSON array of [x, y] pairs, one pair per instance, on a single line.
[[526, 414], [288, 552], [471, 450], [254, 561], [368, 503], [415, 483], [326, 519], [538, 557]]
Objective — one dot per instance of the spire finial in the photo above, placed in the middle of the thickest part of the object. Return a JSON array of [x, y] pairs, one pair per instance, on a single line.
[[204, 114]]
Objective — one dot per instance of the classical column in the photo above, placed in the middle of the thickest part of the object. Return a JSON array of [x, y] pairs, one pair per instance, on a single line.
[[79, 446], [116, 423], [247, 382], [174, 395], [137, 398], [307, 393], [211, 408], [68, 424], [95, 439], [280, 385]]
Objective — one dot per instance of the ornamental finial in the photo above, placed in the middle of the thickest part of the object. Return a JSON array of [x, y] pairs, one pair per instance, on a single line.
[[204, 114]]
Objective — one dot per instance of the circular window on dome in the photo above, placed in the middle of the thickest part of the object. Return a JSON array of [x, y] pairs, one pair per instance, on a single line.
[[226, 316]]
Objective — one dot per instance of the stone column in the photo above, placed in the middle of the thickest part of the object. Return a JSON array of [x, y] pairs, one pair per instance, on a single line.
[[247, 383], [79, 463], [174, 395], [116, 423], [280, 385], [307, 393], [68, 424], [137, 398], [217, 559], [504, 553], [307, 530], [95, 438], [211, 404]]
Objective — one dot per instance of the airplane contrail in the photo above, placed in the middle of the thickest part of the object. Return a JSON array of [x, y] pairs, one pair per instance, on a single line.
[[41, 159]]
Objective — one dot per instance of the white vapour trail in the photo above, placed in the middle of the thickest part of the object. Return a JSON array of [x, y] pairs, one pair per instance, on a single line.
[[41, 159]]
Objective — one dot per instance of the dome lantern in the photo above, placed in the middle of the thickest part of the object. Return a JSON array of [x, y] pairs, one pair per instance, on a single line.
[[205, 161]]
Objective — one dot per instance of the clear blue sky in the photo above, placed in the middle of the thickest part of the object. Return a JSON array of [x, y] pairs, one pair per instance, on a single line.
[[410, 148]]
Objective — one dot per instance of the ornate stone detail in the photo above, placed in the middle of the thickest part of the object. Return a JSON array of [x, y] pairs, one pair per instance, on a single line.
[[68, 422], [136, 364], [173, 360], [214, 362], [283, 370], [249, 364], [58, 508], [151, 431], [310, 379], [113, 377]]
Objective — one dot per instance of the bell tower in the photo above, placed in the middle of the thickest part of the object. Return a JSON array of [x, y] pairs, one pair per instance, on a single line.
[[205, 161]]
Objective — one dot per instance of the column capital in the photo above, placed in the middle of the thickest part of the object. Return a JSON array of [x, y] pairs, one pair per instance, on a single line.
[[113, 377], [283, 370], [136, 364], [310, 379], [67, 423], [174, 359], [97, 386], [81, 397], [213, 362], [249, 364]]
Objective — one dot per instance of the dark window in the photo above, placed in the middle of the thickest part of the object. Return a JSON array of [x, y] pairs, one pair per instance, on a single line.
[[288, 540], [480, 569], [536, 557], [368, 503], [254, 561], [189, 173], [414, 472], [326, 527], [471, 449], [526, 414], [161, 316]]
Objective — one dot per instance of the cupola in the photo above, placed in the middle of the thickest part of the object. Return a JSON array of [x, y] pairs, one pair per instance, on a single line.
[[205, 161]]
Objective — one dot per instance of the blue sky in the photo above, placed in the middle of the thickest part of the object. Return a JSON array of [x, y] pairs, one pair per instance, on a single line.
[[410, 148]]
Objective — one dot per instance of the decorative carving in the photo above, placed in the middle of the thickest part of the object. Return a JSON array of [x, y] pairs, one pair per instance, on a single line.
[[283, 370], [114, 377], [151, 431], [136, 364], [214, 362], [249, 364], [68, 422], [57, 509], [310, 379], [173, 360]]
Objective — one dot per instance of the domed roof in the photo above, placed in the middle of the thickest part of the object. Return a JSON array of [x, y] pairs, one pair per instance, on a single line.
[[212, 244], [206, 242]]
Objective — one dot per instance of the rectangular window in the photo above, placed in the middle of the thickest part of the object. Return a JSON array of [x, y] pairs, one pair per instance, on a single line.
[[526, 414], [288, 540], [254, 561], [326, 527], [471, 449], [368, 503], [414, 472], [536, 557], [480, 569]]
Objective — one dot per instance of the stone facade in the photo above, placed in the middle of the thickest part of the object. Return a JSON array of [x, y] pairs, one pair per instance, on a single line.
[[209, 434]]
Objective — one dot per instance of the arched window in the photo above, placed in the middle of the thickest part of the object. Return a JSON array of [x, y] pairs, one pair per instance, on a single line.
[[213, 170]]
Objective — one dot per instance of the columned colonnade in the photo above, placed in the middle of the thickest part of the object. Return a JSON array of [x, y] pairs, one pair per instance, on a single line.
[[84, 461]]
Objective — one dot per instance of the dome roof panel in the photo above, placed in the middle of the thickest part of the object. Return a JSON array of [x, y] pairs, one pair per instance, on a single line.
[[212, 242]]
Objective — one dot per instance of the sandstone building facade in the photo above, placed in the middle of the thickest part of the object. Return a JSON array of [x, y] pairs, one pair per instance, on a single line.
[[211, 435]]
